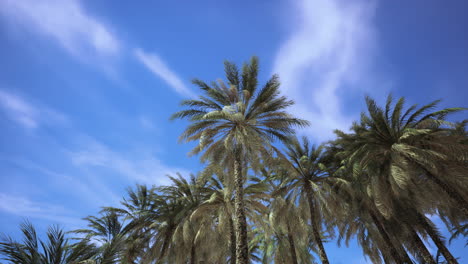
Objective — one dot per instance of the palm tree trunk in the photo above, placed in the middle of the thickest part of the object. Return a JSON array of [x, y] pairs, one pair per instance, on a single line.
[[386, 260], [454, 194], [393, 251], [192, 254], [242, 250], [426, 255], [437, 241], [399, 246], [315, 225], [232, 244], [292, 245]]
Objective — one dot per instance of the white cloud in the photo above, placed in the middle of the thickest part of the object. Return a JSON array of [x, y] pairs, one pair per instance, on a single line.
[[325, 57], [158, 67], [65, 21], [23, 206], [27, 114], [141, 168]]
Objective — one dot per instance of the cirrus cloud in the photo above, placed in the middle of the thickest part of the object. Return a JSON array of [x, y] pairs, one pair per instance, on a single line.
[[65, 21], [159, 68], [27, 114]]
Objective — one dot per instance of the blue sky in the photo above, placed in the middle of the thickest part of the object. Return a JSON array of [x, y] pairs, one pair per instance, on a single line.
[[87, 87]]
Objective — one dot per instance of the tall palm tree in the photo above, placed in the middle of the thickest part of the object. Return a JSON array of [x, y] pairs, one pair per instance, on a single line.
[[238, 120], [55, 250], [306, 179]]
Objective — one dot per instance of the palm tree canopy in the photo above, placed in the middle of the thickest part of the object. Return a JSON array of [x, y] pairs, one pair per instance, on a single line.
[[398, 146], [238, 116], [56, 249]]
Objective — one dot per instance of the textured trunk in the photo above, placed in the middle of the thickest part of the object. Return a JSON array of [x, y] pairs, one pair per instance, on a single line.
[[242, 250], [292, 246], [395, 249], [192, 254], [400, 248], [421, 248], [454, 194], [437, 241], [315, 226], [232, 244], [386, 260]]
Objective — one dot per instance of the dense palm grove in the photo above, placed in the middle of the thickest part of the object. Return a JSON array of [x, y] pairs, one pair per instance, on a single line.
[[266, 196]]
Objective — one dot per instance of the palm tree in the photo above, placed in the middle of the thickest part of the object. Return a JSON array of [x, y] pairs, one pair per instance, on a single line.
[[287, 224], [355, 215], [55, 250], [108, 231], [139, 211], [218, 210], [286, 232], [405, 151], [152, 220], [189, 235], [160, 218], [402, 146], [376, 233], [240, 121], [162, 224], [306, 179]]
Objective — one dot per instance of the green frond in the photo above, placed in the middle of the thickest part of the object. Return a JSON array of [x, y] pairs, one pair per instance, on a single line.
[[232, 73]]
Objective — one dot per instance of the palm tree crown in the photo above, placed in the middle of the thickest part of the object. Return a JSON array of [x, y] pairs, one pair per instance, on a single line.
[[238, 116]]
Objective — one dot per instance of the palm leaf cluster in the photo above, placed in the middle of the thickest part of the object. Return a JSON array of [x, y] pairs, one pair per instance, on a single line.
[[266, 196]]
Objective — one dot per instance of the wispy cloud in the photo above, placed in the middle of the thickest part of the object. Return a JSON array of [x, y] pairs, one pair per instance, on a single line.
[[18, 110], [25, 207], [67, 22], [74, 184], [324, 58], [83, 35], [141, 167], [158, 67], [26, 113]]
